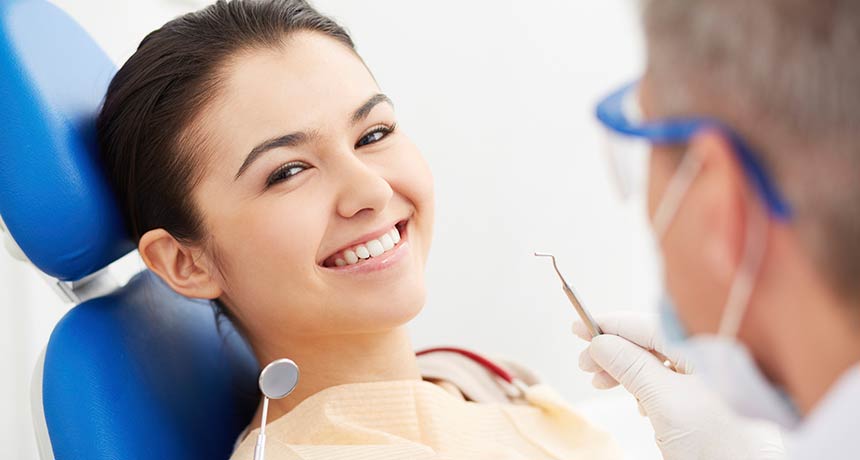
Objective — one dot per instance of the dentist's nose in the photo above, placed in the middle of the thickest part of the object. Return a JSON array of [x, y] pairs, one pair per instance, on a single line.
[[362, 190]]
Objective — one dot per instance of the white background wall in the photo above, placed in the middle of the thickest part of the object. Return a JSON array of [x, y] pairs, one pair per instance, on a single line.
[[499, 95]]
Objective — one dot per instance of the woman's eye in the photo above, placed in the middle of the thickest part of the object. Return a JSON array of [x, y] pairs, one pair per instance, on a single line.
[[375, 135], [285, 172]]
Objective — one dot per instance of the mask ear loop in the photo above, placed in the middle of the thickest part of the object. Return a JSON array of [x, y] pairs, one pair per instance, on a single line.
[[675, 192], [741, 290], [754, 244]]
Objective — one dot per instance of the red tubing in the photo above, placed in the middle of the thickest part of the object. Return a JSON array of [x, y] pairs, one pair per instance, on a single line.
[[484, 362]]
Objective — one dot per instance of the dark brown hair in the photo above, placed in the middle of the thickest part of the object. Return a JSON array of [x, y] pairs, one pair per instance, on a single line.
[[145, 124]]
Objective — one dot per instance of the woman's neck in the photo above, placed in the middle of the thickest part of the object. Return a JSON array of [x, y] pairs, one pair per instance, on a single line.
[[337, 360]]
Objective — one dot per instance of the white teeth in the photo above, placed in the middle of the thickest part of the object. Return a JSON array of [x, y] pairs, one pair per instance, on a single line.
[[387, 242], [375, 248], [372, 248]]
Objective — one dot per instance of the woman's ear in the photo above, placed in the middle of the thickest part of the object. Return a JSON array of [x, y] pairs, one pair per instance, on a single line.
[[722, 188], [184, 268]]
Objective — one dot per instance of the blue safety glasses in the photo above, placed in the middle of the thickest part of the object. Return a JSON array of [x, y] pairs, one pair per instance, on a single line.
[[620, 115]]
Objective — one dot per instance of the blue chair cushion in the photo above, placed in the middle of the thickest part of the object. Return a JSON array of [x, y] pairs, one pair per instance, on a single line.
[[145, 374], [54, 198]]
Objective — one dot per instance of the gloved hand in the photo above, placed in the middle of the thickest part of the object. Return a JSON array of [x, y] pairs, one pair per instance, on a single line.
[[690, 422]]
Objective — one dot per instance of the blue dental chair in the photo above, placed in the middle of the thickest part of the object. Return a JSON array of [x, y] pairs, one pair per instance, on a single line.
[[131, 372]]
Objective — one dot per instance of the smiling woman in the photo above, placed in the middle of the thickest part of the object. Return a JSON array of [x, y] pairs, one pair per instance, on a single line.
[[259, 165]]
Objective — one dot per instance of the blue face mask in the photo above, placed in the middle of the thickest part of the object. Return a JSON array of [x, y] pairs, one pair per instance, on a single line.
[[670, 325]]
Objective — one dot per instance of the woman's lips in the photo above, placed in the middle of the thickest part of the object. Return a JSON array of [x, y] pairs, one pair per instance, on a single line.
[[378, 264], [376, 247]]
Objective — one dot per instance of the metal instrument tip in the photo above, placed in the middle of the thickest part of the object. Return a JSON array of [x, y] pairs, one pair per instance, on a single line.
[[574, 300], [554, 266]]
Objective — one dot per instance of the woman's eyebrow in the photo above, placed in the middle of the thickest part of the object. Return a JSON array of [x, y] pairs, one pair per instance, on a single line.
[[298, 138], [362, 112], [287, 140]]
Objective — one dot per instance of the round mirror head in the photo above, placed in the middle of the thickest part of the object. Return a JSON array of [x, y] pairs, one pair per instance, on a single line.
[[279, 378]]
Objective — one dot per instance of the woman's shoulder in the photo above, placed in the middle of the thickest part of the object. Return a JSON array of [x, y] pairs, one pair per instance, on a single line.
[[477, 376]]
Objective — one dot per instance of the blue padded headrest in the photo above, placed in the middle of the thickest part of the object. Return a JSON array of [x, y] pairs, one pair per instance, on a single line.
[[145, 374], [54, 198]]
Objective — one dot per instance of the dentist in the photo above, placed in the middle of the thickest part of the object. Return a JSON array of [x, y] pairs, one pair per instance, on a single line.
[[749, 113]]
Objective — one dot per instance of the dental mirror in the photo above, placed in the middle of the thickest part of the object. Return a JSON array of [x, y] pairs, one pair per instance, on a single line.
[[277, 380]]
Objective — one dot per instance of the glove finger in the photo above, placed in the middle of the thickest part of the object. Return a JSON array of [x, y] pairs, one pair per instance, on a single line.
[[587, 364], [581, 330], [639, 328], [603, 381], [680, 361], [632, 366]]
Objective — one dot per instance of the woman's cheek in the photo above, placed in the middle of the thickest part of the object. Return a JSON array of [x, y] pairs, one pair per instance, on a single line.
[[417, 186], [415, 176], [277, 243]]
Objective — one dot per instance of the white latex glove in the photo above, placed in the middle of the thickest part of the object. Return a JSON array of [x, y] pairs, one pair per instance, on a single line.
[[690, 422]]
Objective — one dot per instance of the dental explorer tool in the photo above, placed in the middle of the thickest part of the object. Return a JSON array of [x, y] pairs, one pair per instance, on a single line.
[[574, 299], [277, 380], [589, 321]]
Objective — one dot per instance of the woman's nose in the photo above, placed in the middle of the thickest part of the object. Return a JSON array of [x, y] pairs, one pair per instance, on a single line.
[[362, 190]]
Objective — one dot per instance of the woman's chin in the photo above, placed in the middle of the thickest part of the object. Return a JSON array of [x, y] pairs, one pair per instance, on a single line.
[[389, 309]]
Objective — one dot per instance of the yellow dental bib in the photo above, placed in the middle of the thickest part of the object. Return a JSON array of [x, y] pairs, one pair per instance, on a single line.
[[415, 419]]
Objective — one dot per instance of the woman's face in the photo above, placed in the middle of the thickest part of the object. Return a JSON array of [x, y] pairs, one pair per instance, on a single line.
[[318, 209]]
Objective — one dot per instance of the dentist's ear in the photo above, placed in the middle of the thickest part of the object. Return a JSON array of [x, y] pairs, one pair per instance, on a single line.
[[185, 269], [724, 196]]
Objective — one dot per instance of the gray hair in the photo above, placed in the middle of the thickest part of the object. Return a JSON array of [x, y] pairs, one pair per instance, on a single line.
[[786, 75]]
